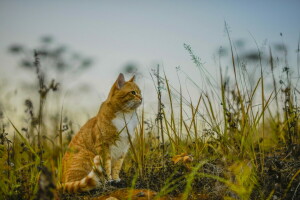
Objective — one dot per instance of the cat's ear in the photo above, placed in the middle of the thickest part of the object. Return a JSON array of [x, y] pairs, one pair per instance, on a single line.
[[120, 81], [132, 79]]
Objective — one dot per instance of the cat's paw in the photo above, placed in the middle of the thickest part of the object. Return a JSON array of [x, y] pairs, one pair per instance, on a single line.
[[117, 180], [112, 181], [109, 181]]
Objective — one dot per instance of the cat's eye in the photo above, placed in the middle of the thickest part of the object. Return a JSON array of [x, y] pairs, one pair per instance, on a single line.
[[133, 92]]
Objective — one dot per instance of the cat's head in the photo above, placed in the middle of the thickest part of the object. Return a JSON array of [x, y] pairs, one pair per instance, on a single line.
[[125, 95]]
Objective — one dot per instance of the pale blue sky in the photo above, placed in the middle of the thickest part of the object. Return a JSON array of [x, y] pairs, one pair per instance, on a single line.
[[145, 32]]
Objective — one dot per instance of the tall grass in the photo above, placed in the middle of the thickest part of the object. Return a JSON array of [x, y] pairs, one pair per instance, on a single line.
[[217, 146]]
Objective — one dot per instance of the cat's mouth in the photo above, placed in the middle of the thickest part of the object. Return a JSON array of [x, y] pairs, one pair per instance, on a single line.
[[131, 105]]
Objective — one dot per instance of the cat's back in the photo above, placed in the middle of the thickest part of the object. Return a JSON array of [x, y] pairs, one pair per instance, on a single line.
[[84, 136]]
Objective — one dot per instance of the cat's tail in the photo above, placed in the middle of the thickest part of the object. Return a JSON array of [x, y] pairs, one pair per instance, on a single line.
[[90, 182]]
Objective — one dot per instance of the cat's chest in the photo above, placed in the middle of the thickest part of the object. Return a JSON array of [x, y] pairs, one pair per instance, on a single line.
[[125, 122]]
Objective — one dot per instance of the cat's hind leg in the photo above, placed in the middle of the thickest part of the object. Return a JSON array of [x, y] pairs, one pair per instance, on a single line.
[[90, 182]]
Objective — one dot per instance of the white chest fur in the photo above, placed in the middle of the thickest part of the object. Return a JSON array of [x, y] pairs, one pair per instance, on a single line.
[[125, 123]]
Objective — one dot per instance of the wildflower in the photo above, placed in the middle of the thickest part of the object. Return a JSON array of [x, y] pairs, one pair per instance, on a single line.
[[184, 157]]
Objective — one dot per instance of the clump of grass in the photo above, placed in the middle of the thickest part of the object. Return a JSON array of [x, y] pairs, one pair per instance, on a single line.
[[240, 135], [237, 140]]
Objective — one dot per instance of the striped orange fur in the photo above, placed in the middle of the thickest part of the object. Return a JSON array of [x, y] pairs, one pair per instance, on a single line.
[[91, 181], [103, 140]]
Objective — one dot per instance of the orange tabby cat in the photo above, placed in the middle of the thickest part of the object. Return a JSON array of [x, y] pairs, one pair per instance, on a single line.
[[103, 140]]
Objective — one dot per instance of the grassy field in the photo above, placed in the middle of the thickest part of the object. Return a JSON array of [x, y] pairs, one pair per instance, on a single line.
[[239, 140]]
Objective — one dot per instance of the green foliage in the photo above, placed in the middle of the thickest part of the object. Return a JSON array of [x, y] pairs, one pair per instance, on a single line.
[[232, 142]]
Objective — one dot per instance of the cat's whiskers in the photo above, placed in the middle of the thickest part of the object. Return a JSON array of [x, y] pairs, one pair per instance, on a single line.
[[131, 105]]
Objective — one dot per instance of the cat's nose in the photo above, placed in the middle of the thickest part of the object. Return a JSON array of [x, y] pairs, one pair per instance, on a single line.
[[140, 97]]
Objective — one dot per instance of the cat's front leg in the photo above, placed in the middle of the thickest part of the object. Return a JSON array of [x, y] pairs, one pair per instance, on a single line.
[[116, 168], [107, 165]]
